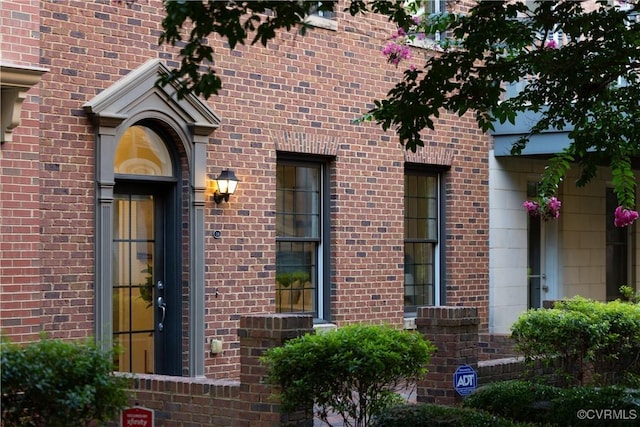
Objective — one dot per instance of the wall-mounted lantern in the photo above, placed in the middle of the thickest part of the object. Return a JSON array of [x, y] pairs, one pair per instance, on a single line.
[[226, 185]]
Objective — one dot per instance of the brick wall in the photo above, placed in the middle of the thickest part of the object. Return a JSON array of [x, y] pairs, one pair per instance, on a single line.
[[509, 368], [178, 401], [20, 304], [313, 86], [258, 333], [495, 346], [87, 46], [454, 333], [20, 41]]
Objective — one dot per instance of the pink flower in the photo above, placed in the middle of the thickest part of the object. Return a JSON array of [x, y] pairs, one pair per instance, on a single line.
[[553, 207], [416, 19], [546, 207], [624, 217], [531, 207], [551, 44], [390, 47], [396, 52]]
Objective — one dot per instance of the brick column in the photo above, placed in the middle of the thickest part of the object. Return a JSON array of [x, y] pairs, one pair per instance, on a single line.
[[454, 331], [257, 333]]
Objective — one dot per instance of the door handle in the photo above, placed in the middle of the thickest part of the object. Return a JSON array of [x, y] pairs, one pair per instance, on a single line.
[[162, 305]]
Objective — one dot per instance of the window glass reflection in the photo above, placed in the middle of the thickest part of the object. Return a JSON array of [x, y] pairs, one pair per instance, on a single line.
[[141, 151]]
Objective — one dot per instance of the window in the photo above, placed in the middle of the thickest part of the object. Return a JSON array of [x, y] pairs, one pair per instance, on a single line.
[[322, 18], [300, 238], [535, 253], [423, 10], [617, 264], [327, 14], [141, 151], [421, 240], [436, 6]]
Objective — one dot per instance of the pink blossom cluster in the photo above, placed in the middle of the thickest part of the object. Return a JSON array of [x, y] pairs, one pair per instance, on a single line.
[[546, 207], [553, 207], [551, 44], [533, 208], [397, 49], [624, 217], [396, 52]]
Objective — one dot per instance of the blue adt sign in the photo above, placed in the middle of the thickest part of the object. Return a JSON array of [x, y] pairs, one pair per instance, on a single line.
[[465, 380]]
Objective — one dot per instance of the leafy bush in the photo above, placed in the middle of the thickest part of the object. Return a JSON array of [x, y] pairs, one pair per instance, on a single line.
[[628, 294], [424, 415], [617, 350], [518, 400], [526, 401], [587, 340], [626, 402], [58, 384], [353, 371]]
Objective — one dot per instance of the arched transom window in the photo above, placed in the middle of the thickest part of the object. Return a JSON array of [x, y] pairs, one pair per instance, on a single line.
[[141, 151]]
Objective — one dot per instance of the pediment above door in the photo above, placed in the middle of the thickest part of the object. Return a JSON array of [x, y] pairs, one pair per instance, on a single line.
[[137, 92]]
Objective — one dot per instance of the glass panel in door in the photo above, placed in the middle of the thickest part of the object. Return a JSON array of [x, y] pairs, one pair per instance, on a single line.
[[535, 274], [134, 255], [617, 261]]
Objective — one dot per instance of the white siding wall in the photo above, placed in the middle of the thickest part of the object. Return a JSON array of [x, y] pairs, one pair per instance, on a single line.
[[507, 242], [583, 238]]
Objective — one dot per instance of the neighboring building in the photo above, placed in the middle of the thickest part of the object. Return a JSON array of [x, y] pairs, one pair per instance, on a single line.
[[107, 202], [580, 253]]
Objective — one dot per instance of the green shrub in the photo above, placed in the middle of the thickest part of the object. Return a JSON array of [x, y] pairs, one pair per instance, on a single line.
[[625, 402], [58, 384], [518, 400], [353, 371], [616, 349], [428, 415], [587, 340], [628, 294], [526, 401]]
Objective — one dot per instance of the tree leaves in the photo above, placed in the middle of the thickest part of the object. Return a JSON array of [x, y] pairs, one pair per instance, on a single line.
[[574, 86]]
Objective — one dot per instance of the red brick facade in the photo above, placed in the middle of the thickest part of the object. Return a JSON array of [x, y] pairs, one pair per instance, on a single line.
[[20, 223], [298, 94]]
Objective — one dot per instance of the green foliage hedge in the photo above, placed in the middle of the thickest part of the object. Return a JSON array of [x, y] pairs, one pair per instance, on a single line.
[[353, 371], [517, 400], [589, 341], [428, 415], [59, 384], [526, 401]]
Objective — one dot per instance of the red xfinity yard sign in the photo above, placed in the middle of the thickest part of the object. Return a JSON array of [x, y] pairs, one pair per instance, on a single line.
[[137, 417]]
